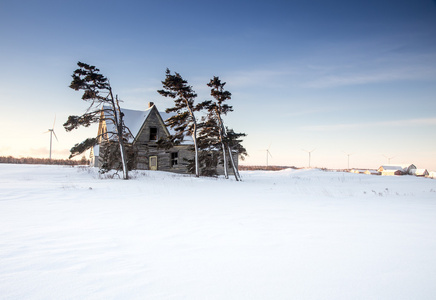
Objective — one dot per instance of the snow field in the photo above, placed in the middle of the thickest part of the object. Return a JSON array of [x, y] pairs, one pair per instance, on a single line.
[[293, 234]]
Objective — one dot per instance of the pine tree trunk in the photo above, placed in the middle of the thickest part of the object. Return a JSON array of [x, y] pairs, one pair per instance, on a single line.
[[119, 126], [235, 170], [226, 173], [122, 149], [123, 157], [221, 130], [194, 137]]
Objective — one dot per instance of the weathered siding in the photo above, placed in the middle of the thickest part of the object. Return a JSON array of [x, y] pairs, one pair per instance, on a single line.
[[147, 148], [164, 158]]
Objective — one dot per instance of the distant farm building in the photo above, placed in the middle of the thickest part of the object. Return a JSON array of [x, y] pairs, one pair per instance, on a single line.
[[420, 172], [371, 172], [396, 170], [365, 171], [390, 170]]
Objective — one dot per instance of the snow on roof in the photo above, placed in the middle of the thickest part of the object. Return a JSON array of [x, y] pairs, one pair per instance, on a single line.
[[402, 167], [134, 119], [392, 167]]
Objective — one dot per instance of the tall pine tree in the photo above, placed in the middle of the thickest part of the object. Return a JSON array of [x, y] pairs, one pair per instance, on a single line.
[[183, 121], [208, 143], [216, 110], [103, 105]]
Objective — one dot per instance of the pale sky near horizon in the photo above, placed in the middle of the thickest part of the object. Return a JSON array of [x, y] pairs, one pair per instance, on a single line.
[[341, 77]]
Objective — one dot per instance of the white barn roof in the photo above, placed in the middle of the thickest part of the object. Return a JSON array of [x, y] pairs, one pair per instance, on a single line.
[[405, 168]]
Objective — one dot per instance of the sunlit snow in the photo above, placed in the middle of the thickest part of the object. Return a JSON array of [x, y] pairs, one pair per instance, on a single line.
[[65, 233]]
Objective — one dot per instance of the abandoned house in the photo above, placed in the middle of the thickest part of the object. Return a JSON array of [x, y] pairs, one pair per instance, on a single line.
[[146, 128]]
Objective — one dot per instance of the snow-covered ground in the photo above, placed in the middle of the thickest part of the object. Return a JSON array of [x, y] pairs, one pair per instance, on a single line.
[[293, 234]]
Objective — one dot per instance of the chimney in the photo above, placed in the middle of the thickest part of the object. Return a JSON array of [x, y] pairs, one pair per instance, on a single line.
[[150, 104]]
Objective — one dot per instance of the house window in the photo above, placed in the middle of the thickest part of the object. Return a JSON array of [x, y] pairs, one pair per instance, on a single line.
[[174, 159], [153, 134]]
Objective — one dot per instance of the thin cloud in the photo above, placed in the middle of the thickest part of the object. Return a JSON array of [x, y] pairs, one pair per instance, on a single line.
[[257, 77], [141, 90], [422, 73], [309, 112], [396, 123], [387, 66]]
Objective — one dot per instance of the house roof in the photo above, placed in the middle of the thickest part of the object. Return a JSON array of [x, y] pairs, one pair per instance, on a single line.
[[134, 119]]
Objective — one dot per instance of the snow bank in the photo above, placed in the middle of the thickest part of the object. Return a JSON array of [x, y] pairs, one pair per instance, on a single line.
[[292, 234]]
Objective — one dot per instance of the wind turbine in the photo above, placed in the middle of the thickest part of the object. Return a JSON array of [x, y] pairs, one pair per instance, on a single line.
[[51, 135], [268, 154], [389, 158], [310, 152], [348, 154]]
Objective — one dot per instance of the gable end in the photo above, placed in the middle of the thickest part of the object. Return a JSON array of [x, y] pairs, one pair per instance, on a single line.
[[151, 123]]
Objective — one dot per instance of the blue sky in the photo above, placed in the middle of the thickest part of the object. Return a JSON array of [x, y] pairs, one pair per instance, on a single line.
[[336, 76]]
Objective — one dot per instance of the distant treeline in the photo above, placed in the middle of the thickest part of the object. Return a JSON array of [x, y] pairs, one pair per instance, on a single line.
[[42, 161], [264, 168]]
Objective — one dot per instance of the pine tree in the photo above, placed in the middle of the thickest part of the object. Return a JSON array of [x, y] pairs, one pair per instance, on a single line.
[[103, 105], [216, 110], [184, 121], [208, 143]]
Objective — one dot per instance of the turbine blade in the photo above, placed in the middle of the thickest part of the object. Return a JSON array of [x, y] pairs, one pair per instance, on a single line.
[[55, 136]]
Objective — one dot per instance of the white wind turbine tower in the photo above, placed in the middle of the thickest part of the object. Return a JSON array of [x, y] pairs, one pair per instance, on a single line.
[[268, 154], [51, 136], [310, 152], [348, 154]]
